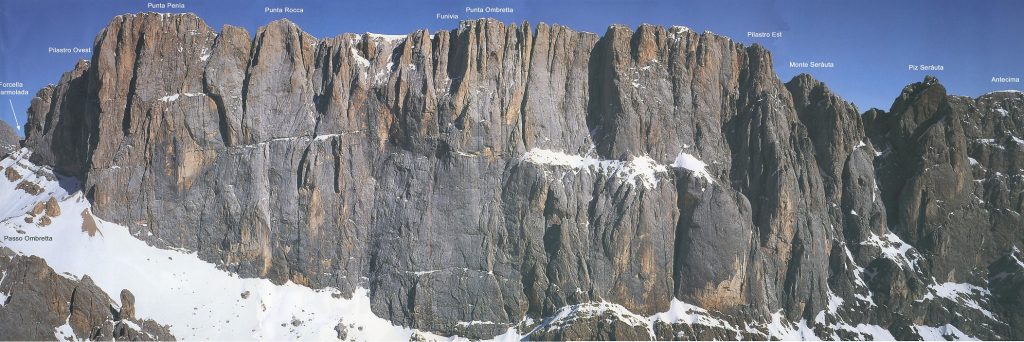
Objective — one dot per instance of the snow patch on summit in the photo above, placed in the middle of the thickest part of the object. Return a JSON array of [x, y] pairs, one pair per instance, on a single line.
[[390, 38]]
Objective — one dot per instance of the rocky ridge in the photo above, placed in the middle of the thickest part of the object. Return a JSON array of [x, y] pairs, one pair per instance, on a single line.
[[497, 176]]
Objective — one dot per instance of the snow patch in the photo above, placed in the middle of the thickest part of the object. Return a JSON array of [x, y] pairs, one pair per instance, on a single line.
[[174, 97], [893, 248], [363, 62], [204, 55], [571, 313], [991, 142], [676, 32], [471, 323], [1014, 255], [680, 312], [962, 293], [679, 28], [384, 74], [689, 162], [877, 333], [65, 332], [641, 168], [422, 273], [387, 37], [3, 296], [938, 333], [16, 202], [323, 137], [857, 272], [784, 330], [834, 302]]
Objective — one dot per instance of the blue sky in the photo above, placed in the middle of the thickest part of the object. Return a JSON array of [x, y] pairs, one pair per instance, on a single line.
[[871, 42]]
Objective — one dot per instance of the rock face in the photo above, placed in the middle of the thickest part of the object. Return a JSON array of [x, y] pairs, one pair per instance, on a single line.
[[39, 304], [10, 141], [127, 305], [476, 177]]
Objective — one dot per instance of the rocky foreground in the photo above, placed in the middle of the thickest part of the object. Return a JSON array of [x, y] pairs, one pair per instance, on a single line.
[[650, 184], [75, 307]]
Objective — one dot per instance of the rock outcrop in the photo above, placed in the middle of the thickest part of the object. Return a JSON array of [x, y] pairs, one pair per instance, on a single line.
[[477, 177], [39, 304]]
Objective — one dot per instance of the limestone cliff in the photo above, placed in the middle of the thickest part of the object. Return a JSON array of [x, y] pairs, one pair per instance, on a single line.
[[473, 178]]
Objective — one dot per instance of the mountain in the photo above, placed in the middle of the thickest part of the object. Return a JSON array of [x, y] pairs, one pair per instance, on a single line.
[[534, 180]]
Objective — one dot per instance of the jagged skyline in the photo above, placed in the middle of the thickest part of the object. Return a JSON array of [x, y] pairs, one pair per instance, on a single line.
[[501, 181], [870, 43]]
